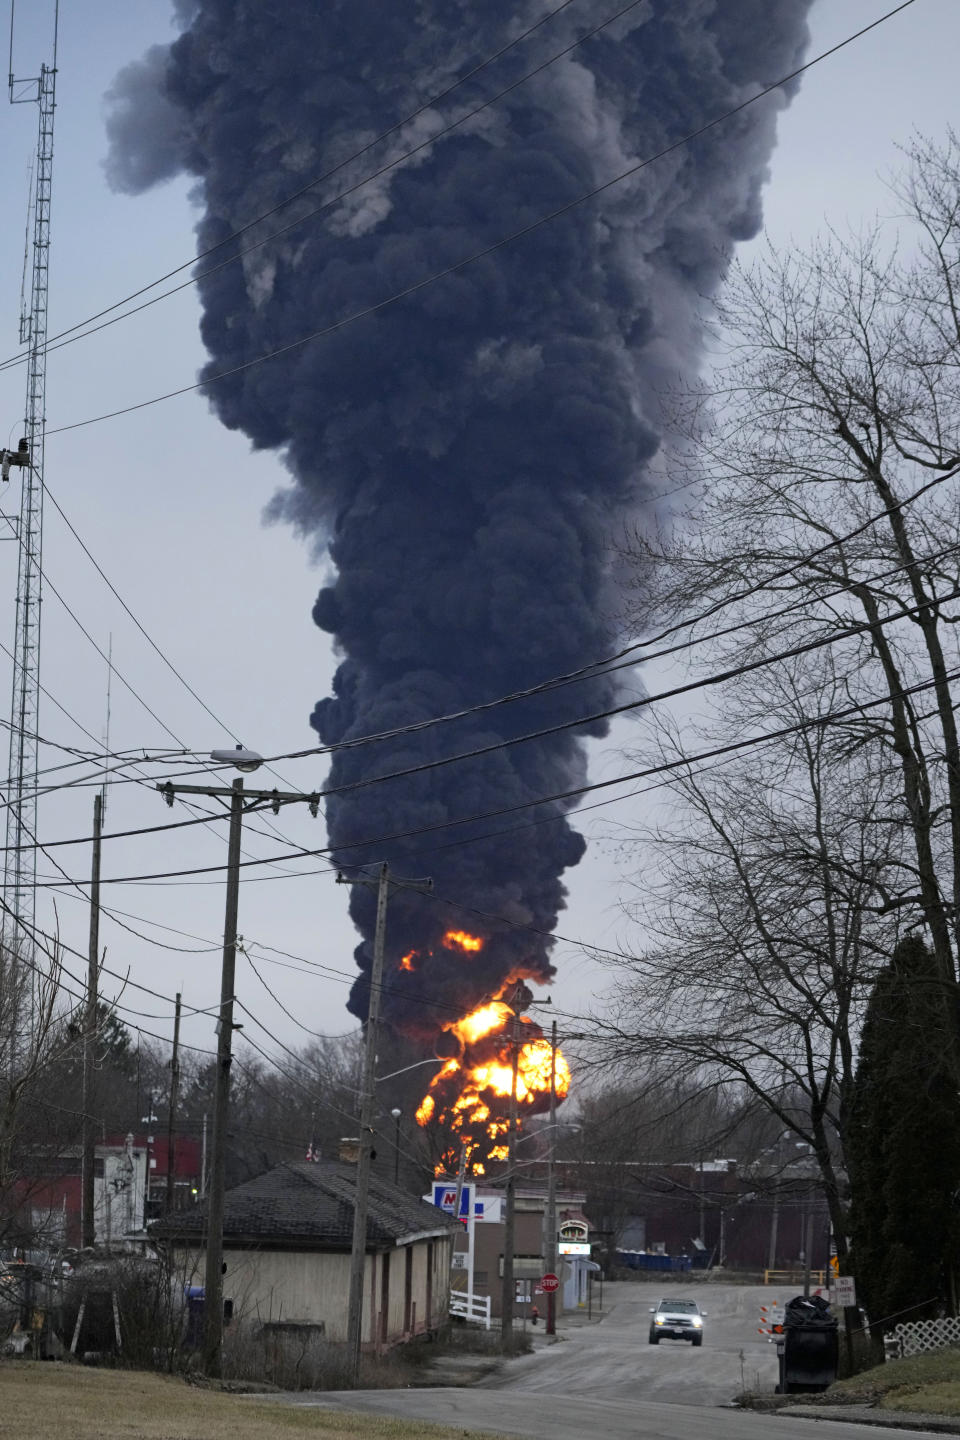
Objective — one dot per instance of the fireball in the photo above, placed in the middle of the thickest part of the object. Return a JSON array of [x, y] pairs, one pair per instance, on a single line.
[[470, 1096]]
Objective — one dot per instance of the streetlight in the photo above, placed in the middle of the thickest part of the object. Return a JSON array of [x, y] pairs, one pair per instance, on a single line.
[[396, 1146], [247, 761], [239, 758]]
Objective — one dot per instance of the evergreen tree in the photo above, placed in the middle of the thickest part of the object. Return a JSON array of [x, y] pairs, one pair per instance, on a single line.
[[903, 1143]]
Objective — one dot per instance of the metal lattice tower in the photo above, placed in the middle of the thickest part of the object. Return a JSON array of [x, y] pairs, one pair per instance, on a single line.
[[20, 862]]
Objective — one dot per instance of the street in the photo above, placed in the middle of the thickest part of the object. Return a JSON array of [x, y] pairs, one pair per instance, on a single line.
[[606, 1379], [614, 1361]]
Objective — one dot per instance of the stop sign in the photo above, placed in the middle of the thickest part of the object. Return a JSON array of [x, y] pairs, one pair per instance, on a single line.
[[549, 1283]]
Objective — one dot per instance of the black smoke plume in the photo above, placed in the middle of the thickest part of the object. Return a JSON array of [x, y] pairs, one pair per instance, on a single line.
[[466, 457]]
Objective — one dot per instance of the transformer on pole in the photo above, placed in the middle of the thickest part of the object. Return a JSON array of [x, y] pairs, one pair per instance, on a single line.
[[20, 863]]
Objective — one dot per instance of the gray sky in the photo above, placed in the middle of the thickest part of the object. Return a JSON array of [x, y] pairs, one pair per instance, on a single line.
[[170, 504]]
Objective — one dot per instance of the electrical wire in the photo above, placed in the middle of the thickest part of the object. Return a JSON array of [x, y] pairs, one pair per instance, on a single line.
[[733, 747], [857, 628], [150, 640], [314, 1034], [337, 199], [46, 580], [599, 668], [159, 651], [305, 189], [127, 610], [706, 682], [481, 254]]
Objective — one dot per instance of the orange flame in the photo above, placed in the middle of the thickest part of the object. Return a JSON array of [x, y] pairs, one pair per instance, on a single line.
[[460, 940], [406, 962], [470, 1095], [481, 1022]]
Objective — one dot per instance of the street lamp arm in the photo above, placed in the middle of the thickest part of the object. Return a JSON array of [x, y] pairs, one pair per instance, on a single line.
[[545, 1130], [434, 1060]]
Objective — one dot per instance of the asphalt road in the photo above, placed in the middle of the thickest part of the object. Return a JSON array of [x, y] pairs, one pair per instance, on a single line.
[[606, 1380], [613, 1360]]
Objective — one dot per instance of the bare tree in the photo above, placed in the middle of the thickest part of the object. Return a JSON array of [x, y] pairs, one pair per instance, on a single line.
[[813, 577], [34, 1034], [824, 454], [766, 891]]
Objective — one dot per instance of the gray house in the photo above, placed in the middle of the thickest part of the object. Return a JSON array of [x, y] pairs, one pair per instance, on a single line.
[[286, 1248]]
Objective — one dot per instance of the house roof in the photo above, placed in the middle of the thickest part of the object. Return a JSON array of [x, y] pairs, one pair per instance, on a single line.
[[311, 1206]]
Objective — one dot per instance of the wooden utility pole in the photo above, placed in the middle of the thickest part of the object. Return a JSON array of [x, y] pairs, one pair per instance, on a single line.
[[358, 1249], [172, 1118], [550, 1249], [240, 801], [508, 1292], [88, 1232], [213, 1274]]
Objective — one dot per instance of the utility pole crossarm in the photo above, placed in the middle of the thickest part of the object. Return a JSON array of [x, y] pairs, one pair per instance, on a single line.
[[276, 798]]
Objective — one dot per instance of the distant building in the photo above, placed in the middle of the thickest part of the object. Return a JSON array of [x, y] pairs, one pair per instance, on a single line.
[[129, 1186], [714, 1212], [530, 1247]]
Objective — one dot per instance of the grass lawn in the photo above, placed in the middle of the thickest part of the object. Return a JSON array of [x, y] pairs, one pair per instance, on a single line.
[[929, 1383], [40, 1398]]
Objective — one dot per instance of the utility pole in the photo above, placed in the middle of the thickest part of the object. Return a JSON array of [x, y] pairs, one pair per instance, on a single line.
[[241, 801], [507, 1294], [88, 1229], [172, 1118], [550, 1249], [213, 1278], [774, 1227], [358, 1249]]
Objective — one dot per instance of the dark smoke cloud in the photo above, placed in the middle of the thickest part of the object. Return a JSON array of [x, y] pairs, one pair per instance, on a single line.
[[465, 457]]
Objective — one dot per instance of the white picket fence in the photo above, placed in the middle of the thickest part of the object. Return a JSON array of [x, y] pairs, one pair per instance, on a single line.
[[477, 1308], [918, 1336]]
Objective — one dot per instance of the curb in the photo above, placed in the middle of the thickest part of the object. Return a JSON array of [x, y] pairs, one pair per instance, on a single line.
[[867, 1415]]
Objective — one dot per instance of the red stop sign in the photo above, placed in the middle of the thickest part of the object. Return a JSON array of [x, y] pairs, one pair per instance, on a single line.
[[549, 1283]]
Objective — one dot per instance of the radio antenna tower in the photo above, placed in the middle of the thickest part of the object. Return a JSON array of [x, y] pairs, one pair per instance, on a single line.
[[20, 859]]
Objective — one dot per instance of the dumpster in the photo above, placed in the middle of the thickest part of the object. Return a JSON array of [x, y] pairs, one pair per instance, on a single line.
[[808, 1352]]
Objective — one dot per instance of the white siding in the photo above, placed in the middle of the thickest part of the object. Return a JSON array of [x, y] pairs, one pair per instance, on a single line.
[[314, 1288]]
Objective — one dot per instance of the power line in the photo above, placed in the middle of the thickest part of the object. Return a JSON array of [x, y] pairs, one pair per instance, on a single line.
[[338, 199], [311, 185], [153, 644], [706, 682], [126, 608], [344, 846], [276, 999], [490, 249], [857, 628], [131, 689], [598, 668], [158, 650]]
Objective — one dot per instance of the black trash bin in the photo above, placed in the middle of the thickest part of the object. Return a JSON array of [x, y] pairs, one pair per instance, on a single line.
[[808, 1356]]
